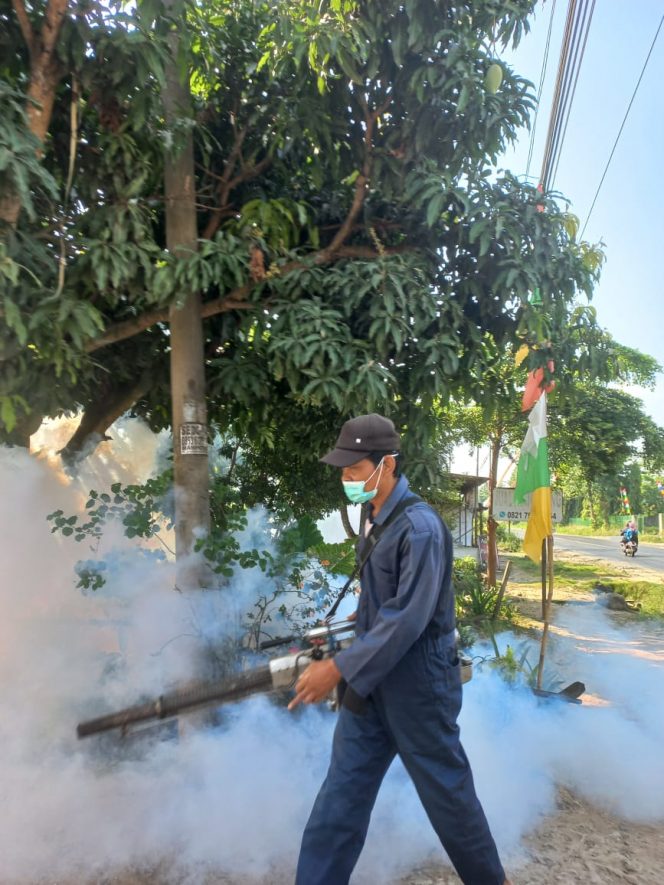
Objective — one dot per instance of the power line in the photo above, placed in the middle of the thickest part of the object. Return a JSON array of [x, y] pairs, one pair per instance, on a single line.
[[586, 28], [545, 63], [562, 63], [577, 27], [622, 125]]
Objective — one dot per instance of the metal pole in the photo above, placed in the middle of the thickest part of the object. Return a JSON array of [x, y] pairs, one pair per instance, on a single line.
[[544, 575], [547, 610]]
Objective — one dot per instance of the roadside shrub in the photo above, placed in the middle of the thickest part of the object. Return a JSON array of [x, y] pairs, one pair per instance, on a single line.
[[649, 595], [513, 669], [474, 600], [506, 540]]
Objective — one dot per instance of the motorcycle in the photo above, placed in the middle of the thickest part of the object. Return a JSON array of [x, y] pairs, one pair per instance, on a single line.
[[629, 543]]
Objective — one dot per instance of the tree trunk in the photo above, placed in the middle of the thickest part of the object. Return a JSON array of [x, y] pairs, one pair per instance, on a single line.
[[591, 503], [45, 74], [26, 425], [189, 412], [492, 545], [109, 405], [345, 519]]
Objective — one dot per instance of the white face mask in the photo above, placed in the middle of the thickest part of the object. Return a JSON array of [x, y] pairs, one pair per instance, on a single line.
[[355, 489]]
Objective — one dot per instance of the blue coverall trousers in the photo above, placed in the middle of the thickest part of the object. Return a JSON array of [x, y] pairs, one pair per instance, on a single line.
[[413, 712]]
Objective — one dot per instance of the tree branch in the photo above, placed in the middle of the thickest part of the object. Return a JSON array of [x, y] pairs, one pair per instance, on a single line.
[[225, 183], [345, 519], [227, 186], [109, 404], [55, 14], [234, 300], [25, 24], [250, 172], [128, 328], [229, 165], [362, 181], [368, 253]]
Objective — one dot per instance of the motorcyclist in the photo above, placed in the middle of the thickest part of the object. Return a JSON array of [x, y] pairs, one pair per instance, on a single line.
[[629, 533]]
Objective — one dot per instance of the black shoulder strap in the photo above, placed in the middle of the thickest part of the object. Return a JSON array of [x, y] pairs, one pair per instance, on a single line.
[[377, 530], [372, 539]]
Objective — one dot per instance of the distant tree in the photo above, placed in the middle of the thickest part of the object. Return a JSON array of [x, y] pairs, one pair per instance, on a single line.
[[595, 433], [652, 500]]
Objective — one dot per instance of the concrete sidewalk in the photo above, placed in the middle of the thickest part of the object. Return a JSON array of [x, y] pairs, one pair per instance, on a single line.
[[461, 552]]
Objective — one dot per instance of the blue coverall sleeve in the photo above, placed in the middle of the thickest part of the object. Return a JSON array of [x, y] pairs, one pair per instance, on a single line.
[[402, 619]]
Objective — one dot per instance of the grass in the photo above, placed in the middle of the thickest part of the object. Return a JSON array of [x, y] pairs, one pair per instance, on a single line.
[[587, 531], [585, 577], [565, 574], [650, 596]]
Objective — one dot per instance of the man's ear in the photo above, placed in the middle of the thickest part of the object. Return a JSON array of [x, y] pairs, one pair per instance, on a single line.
[[390, 464]]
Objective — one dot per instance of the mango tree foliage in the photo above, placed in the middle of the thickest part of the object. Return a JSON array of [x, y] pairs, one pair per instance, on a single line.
[[357, 248]]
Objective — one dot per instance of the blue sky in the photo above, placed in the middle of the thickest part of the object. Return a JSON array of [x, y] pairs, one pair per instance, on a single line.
[[628, 212]]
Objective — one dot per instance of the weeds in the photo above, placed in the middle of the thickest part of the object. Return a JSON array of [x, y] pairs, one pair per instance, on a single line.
[[649, 595], [514, 669], [507, 541], [474, 600]]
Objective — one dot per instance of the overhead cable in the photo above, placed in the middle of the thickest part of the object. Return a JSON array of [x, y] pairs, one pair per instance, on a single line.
[[622, 125], [545, 63], [570, 74], [586, 29], [577, 26], [562, 64]]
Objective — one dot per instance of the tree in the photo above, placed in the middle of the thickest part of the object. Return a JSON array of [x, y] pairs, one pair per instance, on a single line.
[[496, 421], [652, 499], [41, 39], [187, 377], [599, 430], [355, 249]]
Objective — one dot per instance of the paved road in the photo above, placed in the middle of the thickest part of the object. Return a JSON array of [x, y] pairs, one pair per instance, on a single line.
[[649, 556]]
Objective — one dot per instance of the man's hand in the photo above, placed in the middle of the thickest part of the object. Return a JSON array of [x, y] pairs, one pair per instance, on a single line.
[[316, 682]]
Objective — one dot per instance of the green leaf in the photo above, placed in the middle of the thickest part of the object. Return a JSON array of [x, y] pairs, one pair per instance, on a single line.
[[15, 321], [464, 95], [7, 413], [435, 208]]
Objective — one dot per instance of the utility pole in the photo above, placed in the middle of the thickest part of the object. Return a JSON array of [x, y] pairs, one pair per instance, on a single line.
[[492, 546], [189, 410]]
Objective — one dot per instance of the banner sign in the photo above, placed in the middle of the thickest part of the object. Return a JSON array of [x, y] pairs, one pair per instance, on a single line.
[[505, 510]]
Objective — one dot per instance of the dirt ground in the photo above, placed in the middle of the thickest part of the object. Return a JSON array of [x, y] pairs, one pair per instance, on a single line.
[[527, 597], [579, 845]]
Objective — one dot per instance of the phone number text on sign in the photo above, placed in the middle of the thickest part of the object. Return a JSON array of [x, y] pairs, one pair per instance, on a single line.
[[504, 507], [516, 515], [520, 515]]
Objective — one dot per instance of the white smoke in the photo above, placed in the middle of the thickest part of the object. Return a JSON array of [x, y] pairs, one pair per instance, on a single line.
[[233, 800]]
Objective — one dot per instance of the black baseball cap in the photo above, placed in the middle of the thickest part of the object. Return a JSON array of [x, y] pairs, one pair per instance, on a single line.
[[360, 437]]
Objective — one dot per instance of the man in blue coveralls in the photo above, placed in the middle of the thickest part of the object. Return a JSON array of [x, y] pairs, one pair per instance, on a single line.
[[404, 670]]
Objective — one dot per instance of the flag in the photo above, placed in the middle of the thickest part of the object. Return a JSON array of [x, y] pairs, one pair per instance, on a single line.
[[533, 476], [534, 385]]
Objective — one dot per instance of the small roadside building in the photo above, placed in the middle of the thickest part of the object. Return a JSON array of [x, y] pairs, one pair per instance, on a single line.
[[464, 513]]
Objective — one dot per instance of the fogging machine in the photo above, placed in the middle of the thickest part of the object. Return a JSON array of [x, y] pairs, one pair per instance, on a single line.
[[281, 673]]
